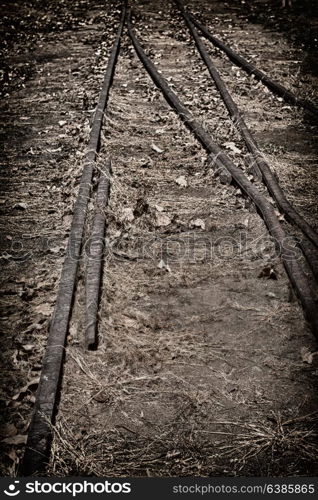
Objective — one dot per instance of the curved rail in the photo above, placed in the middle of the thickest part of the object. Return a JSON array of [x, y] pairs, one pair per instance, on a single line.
[[95, 258], [268, 177], [39, 436], [293, 268]]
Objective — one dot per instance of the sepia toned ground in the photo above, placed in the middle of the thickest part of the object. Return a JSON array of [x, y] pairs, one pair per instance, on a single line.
[[205, 365]]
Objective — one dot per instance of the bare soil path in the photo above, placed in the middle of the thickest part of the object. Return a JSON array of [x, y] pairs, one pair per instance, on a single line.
[[204, 364]]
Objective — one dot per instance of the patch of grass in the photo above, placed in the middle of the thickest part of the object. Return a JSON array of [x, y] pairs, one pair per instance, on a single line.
[[276, 447]]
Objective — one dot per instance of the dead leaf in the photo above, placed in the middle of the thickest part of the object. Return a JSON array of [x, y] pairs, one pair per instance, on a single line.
[[128, 214], [15, 440], [12, 455], [198, 223], [268, 272], [8, 430], [279, 215], [44, 309], [307, 356], [34, 381], [21, 206], [159, 208], [141, 207], [156, 148], [67, 219], [162, 220], [181, 181], [32, 327], [6, 256], [54, 150], [55, 250], [28, 347], [231, 146]]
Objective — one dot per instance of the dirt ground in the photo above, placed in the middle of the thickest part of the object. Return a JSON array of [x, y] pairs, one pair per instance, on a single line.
[[205, 365]]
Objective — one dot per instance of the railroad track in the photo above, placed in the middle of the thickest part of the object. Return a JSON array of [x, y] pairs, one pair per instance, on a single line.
[[268, 203]]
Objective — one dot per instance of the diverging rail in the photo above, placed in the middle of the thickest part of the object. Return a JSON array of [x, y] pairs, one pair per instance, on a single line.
[[241, 62], [267, 175]]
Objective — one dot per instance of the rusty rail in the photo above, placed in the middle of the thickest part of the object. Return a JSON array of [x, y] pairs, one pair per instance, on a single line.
[[95, 258], [259, 160]]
